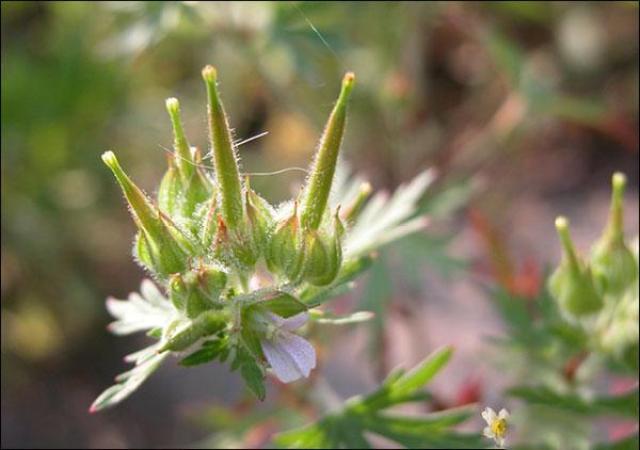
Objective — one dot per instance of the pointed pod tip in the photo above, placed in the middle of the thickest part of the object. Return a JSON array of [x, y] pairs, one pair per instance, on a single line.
[[109, 158], [173, 105], [562, 223], [349, 78], [347, 84], [618, 181], [209, 74]]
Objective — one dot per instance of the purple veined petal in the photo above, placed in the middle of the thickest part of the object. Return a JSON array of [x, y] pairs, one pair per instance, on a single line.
[[291, 357], [295, 322]]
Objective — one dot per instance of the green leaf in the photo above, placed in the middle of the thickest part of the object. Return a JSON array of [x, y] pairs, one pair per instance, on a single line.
[[254, 378], [250, 371], [422, 374], [284, 305], [209, 351], [625, 405], [366, 415]]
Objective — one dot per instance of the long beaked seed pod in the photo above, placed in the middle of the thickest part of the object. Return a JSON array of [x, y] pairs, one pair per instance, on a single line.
[[614, 266], [572, 284], [159, 245], [192, 185], [316, 192], [183, 159], [224, 156]]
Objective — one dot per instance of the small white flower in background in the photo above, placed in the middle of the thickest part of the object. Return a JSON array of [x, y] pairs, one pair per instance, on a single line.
[[496, 428], [291, 357]]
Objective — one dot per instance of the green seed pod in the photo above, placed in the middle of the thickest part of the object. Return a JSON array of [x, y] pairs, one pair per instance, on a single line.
[[186, 295], [261, 220], [197, 291], [170, 190], [613, 263], [323, 254], [285, 252], [316, 193], [211, 282], [160, 245], [178, 292], [206, 324], [194, 187], [183, 158], [224, 155], [571, 284]]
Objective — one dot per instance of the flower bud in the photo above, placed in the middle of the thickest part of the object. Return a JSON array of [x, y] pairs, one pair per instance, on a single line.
[[224, 156], [159, 245], [206, 324], [614, 266], [323, 254], [571, 284], [285, 250], [316, 193]]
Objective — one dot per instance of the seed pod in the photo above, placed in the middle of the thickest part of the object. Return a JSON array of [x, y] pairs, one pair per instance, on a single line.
[[160, 245], [224, 156], [571, 284], [170, 190], [323, 254], [206, 324], [614, 266], [260, 217], [194, 187], [183, 158], [316, 193], [285, 250], [178, 292], [211, 282]]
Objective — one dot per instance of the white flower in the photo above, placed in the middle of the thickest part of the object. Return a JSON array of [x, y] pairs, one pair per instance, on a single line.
[[291, 357], [497, 425]]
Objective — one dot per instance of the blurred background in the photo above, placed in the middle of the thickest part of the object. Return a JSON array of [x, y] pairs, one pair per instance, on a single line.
[[523, 108]]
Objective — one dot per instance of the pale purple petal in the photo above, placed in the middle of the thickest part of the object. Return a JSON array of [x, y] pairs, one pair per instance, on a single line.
[[295, 322], [291, 357]]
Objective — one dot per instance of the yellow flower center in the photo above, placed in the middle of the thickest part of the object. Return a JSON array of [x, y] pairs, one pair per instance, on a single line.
[[499, 427]]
